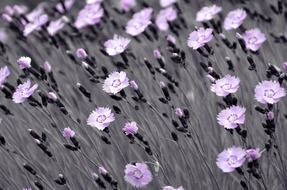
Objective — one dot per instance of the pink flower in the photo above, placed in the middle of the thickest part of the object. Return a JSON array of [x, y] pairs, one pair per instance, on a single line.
[[68, 132], [269, 92], [127, 5], [166, 3], [253, 39], [68, 5], [225, 86], [130, 128], [23, 92], [253, 154], [91, 14], [115, 82], [101, 118], [207, 13], [231, 117], [24, 62], [172, 188], [35, 24], [117, 45], [138, 174], [230, 159], [234, 19], [4, 73], [199, 38], [55, 26], [140, 21], [164, 16]]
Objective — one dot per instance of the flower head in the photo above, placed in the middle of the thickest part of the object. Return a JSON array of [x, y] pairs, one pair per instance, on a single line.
[[199, 38], [253, 154], [225, 86], [179, 112], [55, 26], [164, 16], [207, 13], [68, 132], [91, 14], [47, 67], [130, 128], [231, 117], [4, 73], [138, 174], [24, 62], [101, 118], [269, 92], [253, 39], [37, 18], [81, 53], [117, 45], [166, 3], [127, 5], [139, 22], [234, 19], [68, 5], [23, 92], [115, 82], [172, 188], [230, 159]]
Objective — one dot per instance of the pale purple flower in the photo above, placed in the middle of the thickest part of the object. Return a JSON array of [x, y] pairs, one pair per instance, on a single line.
[[138, 174], [101, 118], [172, 188], [179, 112], [130, 128], [47, 67], [139, 22], [20, 9], [52, 96], [234, 19], [171, 38], [127, 5], [81, 53], [24, 62], [23, 92], [68, 132], [269, 92], [231, 117], [253, 39], [164, 16], [117, 45], [270, 115], [91, 14], [166, 3], [8, 10], [230, 159], [6, 17], [156, 54], [207, 13], [35, 24], [134, 85], [55, 26], [199, 37], [225, 86], [68, 5], [4, 73], [253, 154], [115, 82]]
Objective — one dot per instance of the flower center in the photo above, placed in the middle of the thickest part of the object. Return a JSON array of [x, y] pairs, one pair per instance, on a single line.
[[137, 174], [269, 93], [252, 40], [116, 83], [226, 86], [200, 38], [232, 160], [101, 118], [232, 117]]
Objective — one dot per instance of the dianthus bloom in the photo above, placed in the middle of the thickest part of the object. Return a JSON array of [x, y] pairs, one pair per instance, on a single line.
[[23, 92], [234, 19], [68, 132], [130, 128], [164, 16], [207, 13], [253, 39], [101, 118], [24, 62], [166, 3], [199, 38], [68, 5], [55, 26], [115, 82], [117, 45], [138, 174], [139, 22], [231, 117], [269, 92], [4, 73], [225, 86], [127, 5], [91, 14], [172, 188], [230, 159], [253, 154]]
